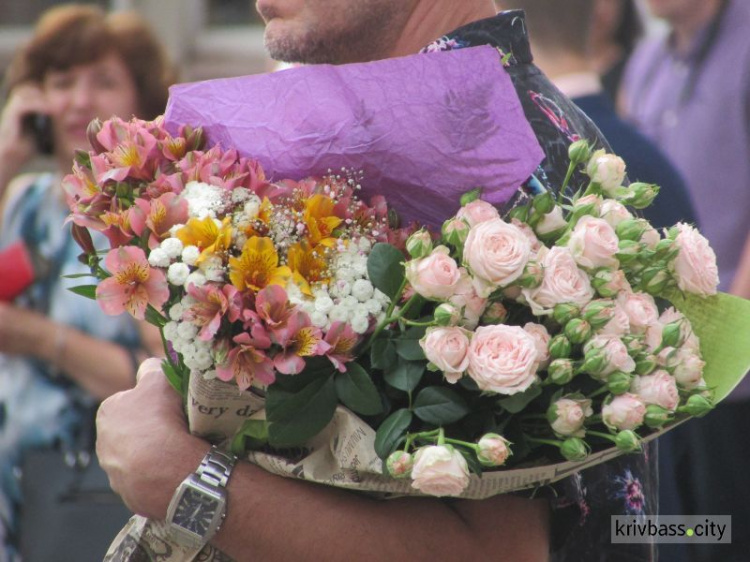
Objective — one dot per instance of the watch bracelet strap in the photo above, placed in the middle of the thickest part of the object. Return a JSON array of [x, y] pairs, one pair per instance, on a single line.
[[216, 467]]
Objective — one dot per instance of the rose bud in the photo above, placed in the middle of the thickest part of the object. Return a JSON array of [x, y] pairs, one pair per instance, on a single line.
[[419, 244], [575, 449], [654, 280], [495, 313], [563, 313], [447, 314], [627, 440], [579, 151], [598, 313], [551, 225], [440, 470], [470, 196], [665, 249], [625, 411], [645, 364], [493, 450], [399, 464], [606, 170], [520, 213], [628, 250], [619, 382], [631, 229], [581, 210], [671, 335], [543, 203], [697, 405], [561, 371], [577, 330], [568, 414], [559, 347], [532, 276], [656, 416], [455, 231], [641, 195], [594, 362], [477, 211]]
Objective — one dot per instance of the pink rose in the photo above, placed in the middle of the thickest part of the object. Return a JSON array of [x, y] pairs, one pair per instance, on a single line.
[[614, 212], [493, 449], [650, 238], [608, 170], [496, 254], [503, 359], [594, 243], [592, 199], [563, 282], [551, 222], [615, 353], [436, 276], [688, 369], [541, 337], [569, 415], [659, 388], [440, 470], [619, 325], [641, 310], [529, 232], [472, 305], [687, 335], [477, 211], [695, 265], [625, 411], [447, 348]]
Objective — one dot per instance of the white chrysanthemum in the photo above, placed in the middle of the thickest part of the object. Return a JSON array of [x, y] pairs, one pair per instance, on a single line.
[[319, 319], [252, 207], [373, 306], [187, 331], [190, 254], [341, 289], [203, 199], [323, 303], [362, 290], [173, 230], [170, 330], [196, 278], [176, 311], [158, 258], [173, 247], [349, 302], [339, 314], [360, 323], [240, 194], [203, 359], [364, 244], [178, 273], [380, 296], [346, 274]]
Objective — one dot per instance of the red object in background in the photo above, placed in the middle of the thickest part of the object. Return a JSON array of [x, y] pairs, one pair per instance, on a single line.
[[16, 271]]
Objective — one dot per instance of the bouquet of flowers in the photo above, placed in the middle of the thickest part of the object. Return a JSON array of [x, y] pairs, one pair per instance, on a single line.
[[317, 338]]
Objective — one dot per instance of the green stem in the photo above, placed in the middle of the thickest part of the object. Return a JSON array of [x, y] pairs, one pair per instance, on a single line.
[[389, 318], [597, 392], [601, 434], [413, 323], [557, 444], [568, 175]]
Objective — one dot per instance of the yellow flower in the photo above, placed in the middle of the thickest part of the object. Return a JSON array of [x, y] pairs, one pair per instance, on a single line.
[[320, 220], [308, 265], [258, 266], [206, 235]]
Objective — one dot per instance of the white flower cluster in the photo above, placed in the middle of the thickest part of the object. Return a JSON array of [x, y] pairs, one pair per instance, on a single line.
[[204, 199], [183, 335], [350, 297]]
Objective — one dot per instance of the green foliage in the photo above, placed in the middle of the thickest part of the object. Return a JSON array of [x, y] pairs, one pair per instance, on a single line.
[[357, 391], [392, 432], [440, 406], [385, 268]]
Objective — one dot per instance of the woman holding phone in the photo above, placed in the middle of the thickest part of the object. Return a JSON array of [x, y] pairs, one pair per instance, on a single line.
[[59, 355]]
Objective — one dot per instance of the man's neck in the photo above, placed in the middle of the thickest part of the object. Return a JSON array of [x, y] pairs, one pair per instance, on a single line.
[[688, 24], [431, 19]]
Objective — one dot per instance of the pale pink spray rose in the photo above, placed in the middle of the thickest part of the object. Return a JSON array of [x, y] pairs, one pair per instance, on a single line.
[[564, 282], [688, 337], [695, 265], [625, 411], [619, 325], [614, 212], [551, 222], [493, 449], [529, 232], [641, 310], [659, 388], [440, 470], [503, 359], [436, 276], [496, 254], [596, 202], [447, 348], [688, 369], [477, 211], [608, 170], [615, 353], [465, 298], [594, 243], [569, 416], [541, 337]]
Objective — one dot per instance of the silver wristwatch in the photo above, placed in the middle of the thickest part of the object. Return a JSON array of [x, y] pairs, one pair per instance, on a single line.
[[199, 504]]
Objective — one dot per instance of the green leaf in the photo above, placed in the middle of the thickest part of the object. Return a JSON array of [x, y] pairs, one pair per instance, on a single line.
[[383, 354], [155, 317], [77, 275], [520, 400], [315, 368], [176, 380], [405, 375], [357, 391], [296, 417], [391, 432], [407, 345], [440, 406], [88, 291], [386, 269], [253, 434]]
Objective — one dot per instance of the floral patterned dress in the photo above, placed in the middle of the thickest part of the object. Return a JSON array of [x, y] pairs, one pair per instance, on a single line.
[[583, 503]]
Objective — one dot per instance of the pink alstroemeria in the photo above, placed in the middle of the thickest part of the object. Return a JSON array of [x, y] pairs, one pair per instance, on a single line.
[[211, 305], [247, 360], [273, 307], [342, 340], [304, 340], [158, 215], [133, 284]]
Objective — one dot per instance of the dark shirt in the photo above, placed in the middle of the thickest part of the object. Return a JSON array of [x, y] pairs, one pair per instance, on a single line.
[[583, 503]]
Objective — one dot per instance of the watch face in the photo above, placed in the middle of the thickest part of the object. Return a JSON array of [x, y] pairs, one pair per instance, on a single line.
[[196, 512]]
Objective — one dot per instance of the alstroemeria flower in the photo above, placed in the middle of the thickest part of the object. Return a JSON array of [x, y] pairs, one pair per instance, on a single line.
[[206, 235], [133, 284], [247, 360], [258, 266], [159, 215], [342, 340], [303, 340], [211, 305], [273, 307], [308, 265], [320, 219]]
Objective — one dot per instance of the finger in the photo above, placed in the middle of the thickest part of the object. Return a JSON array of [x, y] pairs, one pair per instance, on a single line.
[[150, 367]]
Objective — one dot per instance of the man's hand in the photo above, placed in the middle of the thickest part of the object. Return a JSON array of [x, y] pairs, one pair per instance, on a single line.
[[143, 428]]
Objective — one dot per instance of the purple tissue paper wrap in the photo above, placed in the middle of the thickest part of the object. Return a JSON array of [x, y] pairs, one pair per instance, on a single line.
[[423, 128]]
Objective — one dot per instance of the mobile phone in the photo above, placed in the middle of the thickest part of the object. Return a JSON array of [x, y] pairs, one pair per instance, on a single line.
[[39, 126]]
